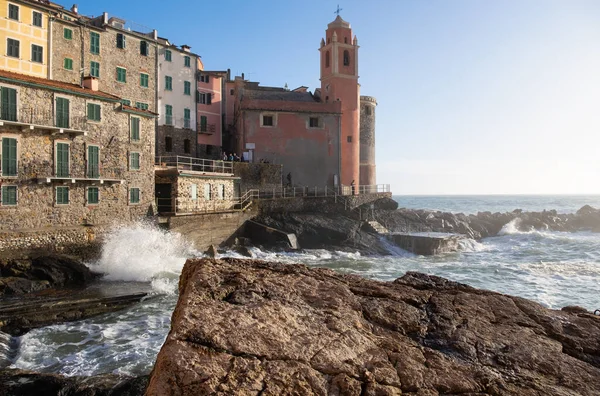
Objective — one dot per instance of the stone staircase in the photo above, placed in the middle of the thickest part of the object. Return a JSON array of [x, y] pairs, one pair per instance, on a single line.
[[375, 226]]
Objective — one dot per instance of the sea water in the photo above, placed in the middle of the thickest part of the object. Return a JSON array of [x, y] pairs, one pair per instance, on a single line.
[[555, 269]]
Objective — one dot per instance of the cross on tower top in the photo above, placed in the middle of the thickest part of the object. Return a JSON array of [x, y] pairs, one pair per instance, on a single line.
[[338, 10]]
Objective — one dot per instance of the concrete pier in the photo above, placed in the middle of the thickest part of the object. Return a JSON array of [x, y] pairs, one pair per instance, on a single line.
[[426, 243]]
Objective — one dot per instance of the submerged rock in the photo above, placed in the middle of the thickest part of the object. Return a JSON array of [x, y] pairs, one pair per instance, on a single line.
[[28, 383], [251, 327]]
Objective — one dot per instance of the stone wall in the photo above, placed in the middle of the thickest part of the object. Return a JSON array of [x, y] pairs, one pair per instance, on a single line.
[[110, 57], [36, 205], [339, 204], [178, 137], [367, 141], [258, 176]]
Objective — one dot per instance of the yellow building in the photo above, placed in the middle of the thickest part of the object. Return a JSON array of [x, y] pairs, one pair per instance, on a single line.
[[24, 38]]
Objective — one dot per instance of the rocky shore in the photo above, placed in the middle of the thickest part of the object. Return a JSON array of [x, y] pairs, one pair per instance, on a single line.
[[251, 327], [348, 232]]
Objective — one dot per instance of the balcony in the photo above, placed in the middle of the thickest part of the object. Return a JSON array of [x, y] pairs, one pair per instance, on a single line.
[[207, 129], [33, 118], [195, 165], [92, 175]]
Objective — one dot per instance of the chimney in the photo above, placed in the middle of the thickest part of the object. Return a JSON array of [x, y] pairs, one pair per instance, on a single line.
[[91, 83], [74, 8], [186, 48]]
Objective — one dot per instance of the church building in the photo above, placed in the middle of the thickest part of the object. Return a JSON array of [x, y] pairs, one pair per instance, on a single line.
[[325, 138]]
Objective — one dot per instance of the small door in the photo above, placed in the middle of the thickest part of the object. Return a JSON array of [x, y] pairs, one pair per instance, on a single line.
[[164, 200]]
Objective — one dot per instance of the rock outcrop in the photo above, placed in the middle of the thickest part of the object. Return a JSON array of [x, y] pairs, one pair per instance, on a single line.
[[251, 327]]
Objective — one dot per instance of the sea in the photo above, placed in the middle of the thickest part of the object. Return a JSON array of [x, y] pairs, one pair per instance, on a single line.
[[556, 269]]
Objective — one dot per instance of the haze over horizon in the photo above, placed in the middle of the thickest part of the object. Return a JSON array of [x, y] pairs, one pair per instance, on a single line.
[[474, 97]]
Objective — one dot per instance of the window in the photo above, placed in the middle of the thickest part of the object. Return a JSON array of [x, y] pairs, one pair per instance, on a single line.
[[68, 34], [13, 12], [93, 195], [346, 58], [204, 78], [120, 40], [194, 192], [62, 195], [203, 126], [95, 69], [37, 19], [68, 64], [126, 102], [368, 110], [62, 112], [349, 139], [9, 156], [134, 161], [62, 160], [168, 83], [313, 122], [144, 80], [169, 114], [327, 59], [135, 129], [93, 161], [168, 55], [221, 191], [186, 146], [187, 88], [267, 120], [186, 61], [141, 106], [168, 144], [231, 91], [9, 195], [12, 48], [204, 98], [144, 48], [134, 195], [207, 192], [121, 74], [94, 43], [8, 104], [345, 40], [37, 53], [93, 112], [186, 118]]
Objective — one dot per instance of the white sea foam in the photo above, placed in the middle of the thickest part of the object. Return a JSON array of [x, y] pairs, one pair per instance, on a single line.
[[143, 253]]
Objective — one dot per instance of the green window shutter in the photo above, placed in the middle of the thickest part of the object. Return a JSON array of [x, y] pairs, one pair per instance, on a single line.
[[13, 12], [126, 102], [168, 83], [9, 195], [134, 195], [37, 19], [62, 160], [13, 48], [168, 55], [135, 128], [62, 112], [68, 34], [169, 110], [187, 88], [187, 61], [94, 43], [62, 195], [120, 40], [8, 107], [144, 80], [95, 69], [68, 64], [121, 74], [92, 195], [134, 161], [9, 157], [203, 123], [94, 112], [93, 170]]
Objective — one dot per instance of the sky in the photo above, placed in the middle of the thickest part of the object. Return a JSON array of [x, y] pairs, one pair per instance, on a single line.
[[474, 96]]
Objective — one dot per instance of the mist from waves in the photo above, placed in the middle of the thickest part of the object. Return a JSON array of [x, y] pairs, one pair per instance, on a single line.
[[553, 268]]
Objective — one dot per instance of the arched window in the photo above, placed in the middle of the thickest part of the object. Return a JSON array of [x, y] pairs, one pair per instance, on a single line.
[[327, 59], [345, 40], [346, 58]]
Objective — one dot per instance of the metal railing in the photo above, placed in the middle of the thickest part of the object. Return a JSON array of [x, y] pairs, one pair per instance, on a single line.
[[195, 164], [206, 128], [41, 117]]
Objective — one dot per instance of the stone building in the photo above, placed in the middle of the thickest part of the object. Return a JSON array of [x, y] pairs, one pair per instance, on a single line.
[[176, 83], [71, 155], [316, 137], [368, 176], [109, 49]]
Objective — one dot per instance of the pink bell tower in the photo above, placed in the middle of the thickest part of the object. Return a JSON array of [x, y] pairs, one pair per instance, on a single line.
[[339, 82]]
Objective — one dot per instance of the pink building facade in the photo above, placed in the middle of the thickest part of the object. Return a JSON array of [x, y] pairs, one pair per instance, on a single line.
[[210, 110]]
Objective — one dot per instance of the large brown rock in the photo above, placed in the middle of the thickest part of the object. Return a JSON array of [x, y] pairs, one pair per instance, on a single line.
[[250, 327]]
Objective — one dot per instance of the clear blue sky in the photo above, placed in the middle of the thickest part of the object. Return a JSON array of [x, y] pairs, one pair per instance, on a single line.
[[475, 97]]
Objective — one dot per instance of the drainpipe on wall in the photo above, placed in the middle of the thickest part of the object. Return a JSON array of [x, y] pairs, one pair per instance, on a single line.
[[82, 67], [50, 19]]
